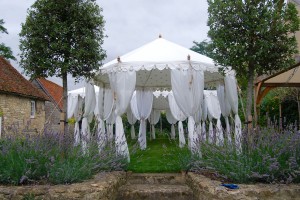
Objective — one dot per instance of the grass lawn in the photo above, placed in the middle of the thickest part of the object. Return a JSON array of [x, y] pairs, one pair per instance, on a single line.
[[161, 155]]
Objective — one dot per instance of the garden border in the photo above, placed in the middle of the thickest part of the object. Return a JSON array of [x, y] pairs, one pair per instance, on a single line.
[[103, 186], [205, 188]]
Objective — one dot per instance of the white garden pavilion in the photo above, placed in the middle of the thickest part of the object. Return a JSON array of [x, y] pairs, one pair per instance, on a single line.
[[161, 65]]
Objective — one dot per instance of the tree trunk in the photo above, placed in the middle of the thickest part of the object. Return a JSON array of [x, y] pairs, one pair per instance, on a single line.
[[65, 104], [298, 102], [249, 94]]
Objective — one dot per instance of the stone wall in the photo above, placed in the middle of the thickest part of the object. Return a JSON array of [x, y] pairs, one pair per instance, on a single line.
[[16, 113], [205, 188], [104, 186]]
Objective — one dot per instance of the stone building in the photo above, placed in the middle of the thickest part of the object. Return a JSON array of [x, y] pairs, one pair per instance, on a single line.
[[22, 105], [54, 107]]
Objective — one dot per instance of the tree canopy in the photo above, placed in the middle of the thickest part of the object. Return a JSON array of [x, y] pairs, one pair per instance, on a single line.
[[62, 36], [5, 51], [253, 37]]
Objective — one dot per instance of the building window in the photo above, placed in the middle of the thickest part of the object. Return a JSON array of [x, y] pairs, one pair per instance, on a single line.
[[32, 109]]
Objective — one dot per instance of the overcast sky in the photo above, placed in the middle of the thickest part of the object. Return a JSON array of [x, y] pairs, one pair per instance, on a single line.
[[129, 24]]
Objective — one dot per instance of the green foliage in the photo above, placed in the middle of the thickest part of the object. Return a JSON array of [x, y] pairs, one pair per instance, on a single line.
[[61, 37], [4, 50], [204, 47], [253, 37], [258, 34]]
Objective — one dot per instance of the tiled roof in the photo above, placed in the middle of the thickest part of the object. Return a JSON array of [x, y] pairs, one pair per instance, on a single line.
[[54, 91], [12, 82]]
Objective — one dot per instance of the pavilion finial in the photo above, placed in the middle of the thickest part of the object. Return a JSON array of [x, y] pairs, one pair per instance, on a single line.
[[159, 36], [119, 59], [189, 57]]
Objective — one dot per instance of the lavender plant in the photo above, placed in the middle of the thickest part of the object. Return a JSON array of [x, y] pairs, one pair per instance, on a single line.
[[270, 155], [52, 157]]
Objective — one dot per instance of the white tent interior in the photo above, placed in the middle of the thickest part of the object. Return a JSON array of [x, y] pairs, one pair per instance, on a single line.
[[162, 65]]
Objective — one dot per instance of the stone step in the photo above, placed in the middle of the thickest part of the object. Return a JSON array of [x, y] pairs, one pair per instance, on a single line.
[[156, 178], [155, 192]]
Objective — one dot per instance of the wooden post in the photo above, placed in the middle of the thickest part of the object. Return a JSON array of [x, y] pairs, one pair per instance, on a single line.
[[0, 126], [62, 122], [250, 129], [280, 116]]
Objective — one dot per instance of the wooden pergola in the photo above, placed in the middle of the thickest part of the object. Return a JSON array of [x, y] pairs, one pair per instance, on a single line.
[[289, 77]]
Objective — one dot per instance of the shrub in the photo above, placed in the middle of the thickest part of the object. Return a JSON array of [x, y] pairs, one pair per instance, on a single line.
[[270, 156], [54, 158]]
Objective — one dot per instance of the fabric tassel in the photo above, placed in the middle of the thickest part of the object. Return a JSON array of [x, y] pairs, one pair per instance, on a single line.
[[77, 133], [85, 133], [191, 134], [198, 131], [101, 135], [219, 135], [210, 132], [203, 131], [181, 135], [120, 139], [132, 132], [228, 134], [238, 132], [142, 135], [172, 132], [153, 132]]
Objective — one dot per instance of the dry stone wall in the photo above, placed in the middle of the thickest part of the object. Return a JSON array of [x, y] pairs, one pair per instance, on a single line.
[[16, 112], [205, 188], [104, 186]]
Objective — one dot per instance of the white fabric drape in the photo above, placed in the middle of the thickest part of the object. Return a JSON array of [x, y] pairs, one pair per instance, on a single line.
[[204, 117], [89, 107], [197, 118], [141, 106], [171, 121], [187, 87], [232, 96], [131, 120], [122, 85], [214, 111], [72, 104], [153, 119], [225, 109], [178, 115], [75, 104], [110, 121], [103, 110], [78, 116]]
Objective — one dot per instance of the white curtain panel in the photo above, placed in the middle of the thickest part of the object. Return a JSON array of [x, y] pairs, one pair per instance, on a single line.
[[110, 121], [204, 118], [178, 115], [232, 96], [214, 111], [122, 85], [78, 116], [153, 119], [225, 109], [197, 118], [103, 110], [171, 121], [131, 120], [187, 87], [89, 107], [141, 106], [72, 104]]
